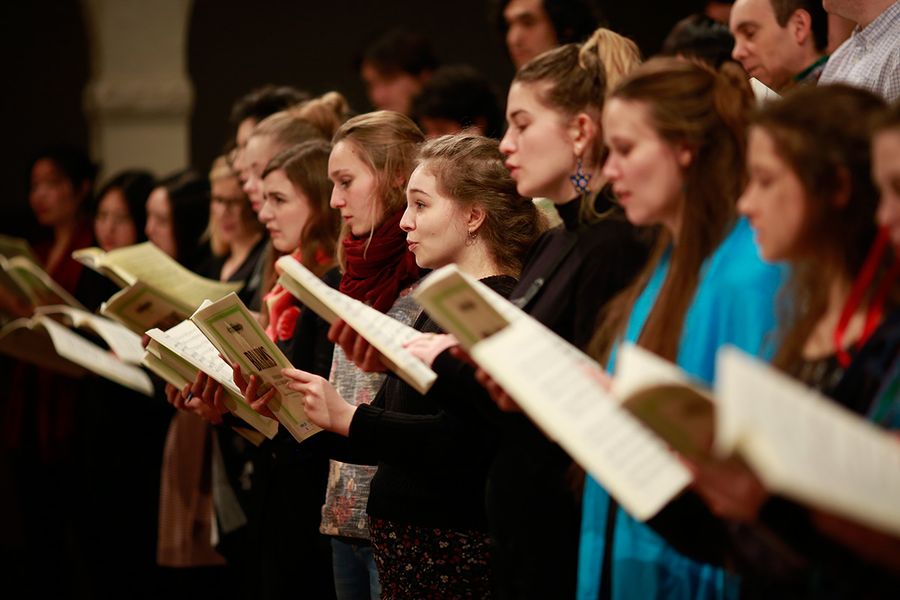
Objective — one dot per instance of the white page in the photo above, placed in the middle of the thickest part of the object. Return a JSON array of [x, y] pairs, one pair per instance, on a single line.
[[384, 333], [762, 92], [549, 379], [39, 286], [805, 446], [140, 307], [123, 342], [236, 333], [24, 340], [463, 306], [638, 369], [79, 350], [147, 263], [188, 342]]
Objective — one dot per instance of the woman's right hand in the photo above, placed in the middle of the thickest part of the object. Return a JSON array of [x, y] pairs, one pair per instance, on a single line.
[[185, 399], [250, 390]]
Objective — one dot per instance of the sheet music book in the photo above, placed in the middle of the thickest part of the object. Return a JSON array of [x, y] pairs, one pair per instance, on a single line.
[[30, 283], [557, 386], [124, 343], [44, 342], [15, 246], [140, 308], [177, 355], [234, 331], [805, 446], [384, 333], [155, 269]]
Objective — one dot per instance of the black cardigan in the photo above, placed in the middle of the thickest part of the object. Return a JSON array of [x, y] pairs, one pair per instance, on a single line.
[[432, 463]]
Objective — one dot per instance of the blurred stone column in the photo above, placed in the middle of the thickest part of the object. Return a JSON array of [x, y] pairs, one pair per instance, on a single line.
[[139, 98]]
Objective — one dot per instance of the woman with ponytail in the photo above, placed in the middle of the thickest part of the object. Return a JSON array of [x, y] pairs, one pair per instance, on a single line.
[[676, 137]]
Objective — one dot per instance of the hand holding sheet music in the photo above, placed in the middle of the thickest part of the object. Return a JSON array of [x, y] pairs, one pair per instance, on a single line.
[[236, 333], [384, 333]]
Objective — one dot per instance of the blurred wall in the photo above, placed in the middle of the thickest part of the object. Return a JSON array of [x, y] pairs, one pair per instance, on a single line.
[[231, 46]]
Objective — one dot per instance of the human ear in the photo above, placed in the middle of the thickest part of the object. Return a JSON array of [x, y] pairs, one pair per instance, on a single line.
[[800, 26], [684, 155], [582, 131], [476, 217]]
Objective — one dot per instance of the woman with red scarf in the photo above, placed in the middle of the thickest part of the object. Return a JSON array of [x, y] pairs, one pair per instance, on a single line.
[[369, 166]]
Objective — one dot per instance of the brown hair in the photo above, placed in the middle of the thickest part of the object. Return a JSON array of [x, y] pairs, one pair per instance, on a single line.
[[387, 142], [469, 170], [287, 129], [306, 167], [290, 128], [823, 135], [326, 113], [579, 76], [689, 104], [783, 10]]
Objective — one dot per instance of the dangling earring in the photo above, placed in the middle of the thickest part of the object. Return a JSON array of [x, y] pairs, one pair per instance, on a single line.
[[580, 180], [471, 238]]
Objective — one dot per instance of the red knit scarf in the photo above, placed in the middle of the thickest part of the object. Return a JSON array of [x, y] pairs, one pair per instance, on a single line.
[[283, 308], [378, 270]]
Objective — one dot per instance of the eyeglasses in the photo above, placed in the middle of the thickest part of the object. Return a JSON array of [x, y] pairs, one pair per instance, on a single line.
[[234, 203]]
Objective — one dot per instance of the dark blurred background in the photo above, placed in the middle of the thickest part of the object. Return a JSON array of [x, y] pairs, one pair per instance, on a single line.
[[236, 45]]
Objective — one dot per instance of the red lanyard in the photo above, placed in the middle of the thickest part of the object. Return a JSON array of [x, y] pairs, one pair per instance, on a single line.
[[876, 306]]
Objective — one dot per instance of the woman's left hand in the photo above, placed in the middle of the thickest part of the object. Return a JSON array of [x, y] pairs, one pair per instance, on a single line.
[[322, 403], [428, 346]]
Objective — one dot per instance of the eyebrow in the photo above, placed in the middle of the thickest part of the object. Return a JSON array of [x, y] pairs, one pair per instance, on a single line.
[[517, 112], [743, 26], [418, 191]]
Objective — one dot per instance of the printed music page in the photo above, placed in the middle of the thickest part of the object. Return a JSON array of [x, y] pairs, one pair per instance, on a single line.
[[384, 333], [16, 246], [140, 308], [236, 333], [185, 350], [75, 348], [22, 340], [36, 284], [806, 446], [156, 269], [123, 342], [463, 306], [553, 383]]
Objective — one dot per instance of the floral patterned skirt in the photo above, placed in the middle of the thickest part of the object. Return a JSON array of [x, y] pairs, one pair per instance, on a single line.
[[426, 562]]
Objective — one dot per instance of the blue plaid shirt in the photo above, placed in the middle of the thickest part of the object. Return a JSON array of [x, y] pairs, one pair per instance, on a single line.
[[870, 59]]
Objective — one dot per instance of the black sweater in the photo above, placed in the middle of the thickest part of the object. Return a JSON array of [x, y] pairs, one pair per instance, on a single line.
[[532, 506], [432, 463]]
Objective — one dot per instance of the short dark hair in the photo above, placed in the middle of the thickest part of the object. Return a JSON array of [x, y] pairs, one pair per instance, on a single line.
[[73, 161], [399, 51], [264, 101], [135, 186], [188, 193], [785, 8], [699, 36], [573, 20], [462, 94], [75, 165]]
